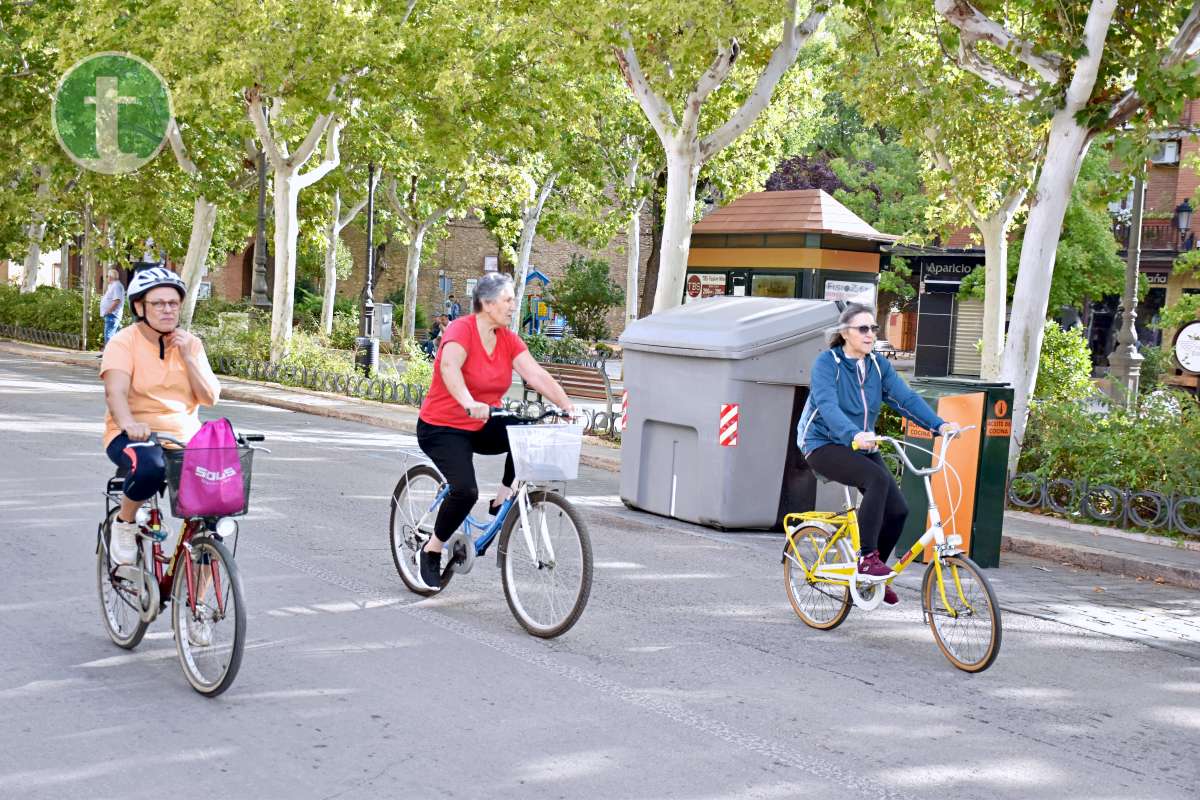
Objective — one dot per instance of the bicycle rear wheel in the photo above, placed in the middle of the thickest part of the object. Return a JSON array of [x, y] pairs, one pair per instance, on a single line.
[[411, 525], [819, 604], [119, 596], [966, 626], [210, 638], [548, 589]]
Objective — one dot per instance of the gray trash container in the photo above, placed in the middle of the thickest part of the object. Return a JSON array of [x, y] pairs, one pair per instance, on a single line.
[[715, 388]]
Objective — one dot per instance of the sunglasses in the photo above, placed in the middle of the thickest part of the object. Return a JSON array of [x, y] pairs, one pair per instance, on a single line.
[[863, 329]]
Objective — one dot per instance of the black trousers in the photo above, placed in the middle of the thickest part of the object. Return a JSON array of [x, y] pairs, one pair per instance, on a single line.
[[452, 451], [144, 465], [882, 512]]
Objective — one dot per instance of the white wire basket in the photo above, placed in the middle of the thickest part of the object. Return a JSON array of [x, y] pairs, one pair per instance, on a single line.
[[546, 452]]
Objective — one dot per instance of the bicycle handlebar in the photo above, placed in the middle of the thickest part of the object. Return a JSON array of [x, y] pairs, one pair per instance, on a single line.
[[242, 439], [941, 455], [551, 411]]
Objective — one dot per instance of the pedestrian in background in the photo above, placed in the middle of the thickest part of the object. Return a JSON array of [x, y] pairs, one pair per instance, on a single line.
[[112, 304], [453, 309]]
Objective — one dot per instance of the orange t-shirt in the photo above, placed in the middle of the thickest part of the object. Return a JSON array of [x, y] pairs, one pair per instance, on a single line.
[[159, 393]]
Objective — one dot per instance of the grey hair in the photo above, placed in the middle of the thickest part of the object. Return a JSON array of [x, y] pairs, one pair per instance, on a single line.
[[489, 288], [851, 311]]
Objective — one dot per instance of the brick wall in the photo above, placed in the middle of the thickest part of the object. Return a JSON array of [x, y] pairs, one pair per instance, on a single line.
[[460, 255]]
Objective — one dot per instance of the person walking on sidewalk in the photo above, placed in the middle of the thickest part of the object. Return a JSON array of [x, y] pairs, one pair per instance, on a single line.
[[156, 376], [471, 374], [112, 304], [849, 385]]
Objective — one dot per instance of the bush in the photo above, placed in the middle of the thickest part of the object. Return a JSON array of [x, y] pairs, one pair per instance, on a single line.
[[51, 309], [396, 298], [1151, 447], [568, 348], [584, 295], [208, 312], [1065, 367], [1158, 362], [418, 370]]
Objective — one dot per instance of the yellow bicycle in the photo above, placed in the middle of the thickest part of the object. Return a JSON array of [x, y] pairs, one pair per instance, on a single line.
[[820, 571]]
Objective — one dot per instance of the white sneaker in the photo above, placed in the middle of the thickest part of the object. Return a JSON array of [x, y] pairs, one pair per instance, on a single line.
[[199, 631], [123, 543]]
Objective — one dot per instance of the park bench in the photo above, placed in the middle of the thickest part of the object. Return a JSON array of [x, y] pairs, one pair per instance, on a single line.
[[582, 381], [885, 348]]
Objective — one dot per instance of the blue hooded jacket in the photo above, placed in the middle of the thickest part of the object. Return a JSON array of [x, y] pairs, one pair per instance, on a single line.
[[839, 405]]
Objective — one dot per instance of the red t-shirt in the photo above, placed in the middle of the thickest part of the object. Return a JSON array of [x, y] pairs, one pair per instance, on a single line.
[[488, 378]]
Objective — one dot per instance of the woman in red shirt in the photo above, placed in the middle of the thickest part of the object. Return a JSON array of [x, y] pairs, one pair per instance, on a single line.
[[471, 374]]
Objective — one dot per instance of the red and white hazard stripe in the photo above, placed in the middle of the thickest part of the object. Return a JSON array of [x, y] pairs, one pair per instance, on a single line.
[[624, 410], [727, 432]]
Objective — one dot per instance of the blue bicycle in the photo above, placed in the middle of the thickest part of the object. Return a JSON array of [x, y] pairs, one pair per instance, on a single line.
[[545, 553]]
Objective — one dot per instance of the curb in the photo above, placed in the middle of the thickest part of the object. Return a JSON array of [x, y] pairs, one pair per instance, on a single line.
[[1101, 530], [1099, 560]]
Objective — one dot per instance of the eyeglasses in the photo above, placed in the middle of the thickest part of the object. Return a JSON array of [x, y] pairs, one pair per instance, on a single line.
[[163, 305], [863, 329]]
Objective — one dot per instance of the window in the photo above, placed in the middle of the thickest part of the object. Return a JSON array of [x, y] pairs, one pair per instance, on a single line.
[[773, 286], [1167, 152]]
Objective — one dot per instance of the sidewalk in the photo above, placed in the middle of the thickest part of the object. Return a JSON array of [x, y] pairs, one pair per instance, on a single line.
[[1091, 547]]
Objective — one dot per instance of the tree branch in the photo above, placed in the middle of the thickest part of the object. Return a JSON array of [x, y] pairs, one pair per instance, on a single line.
[[394, 200], [782, 58], [989, 73], [657, 111], [175, 137], [412, 4], [258, 119], [713, 77], [352, 213], [1179, 51], [333, 157], [975, 26], [1095, 31]]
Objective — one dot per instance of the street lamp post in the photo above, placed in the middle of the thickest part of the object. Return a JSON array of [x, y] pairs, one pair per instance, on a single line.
[[259, 296], [1183, 222], [1125, 360], [367, 343]]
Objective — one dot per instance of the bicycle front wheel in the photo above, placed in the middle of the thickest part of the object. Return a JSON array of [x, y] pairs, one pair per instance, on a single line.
[[818, 602], [411, 526], [547, 575], [120, 595], [963, 613], [208, 616]]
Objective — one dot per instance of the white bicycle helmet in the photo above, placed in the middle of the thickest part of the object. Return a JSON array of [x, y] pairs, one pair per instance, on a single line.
[[147, 279]]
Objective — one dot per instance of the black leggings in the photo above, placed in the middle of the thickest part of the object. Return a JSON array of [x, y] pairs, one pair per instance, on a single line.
[[451, 450], [882, 512], [145, 469]]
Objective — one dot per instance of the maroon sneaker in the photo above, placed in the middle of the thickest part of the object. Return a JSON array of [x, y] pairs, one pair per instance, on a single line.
[[890, 598], [870, 564]]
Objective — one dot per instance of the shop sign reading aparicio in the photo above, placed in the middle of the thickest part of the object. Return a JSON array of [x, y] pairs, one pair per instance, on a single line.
[[940, 269]]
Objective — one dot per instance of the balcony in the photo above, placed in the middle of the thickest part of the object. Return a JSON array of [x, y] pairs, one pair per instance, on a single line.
[[1157, 234]]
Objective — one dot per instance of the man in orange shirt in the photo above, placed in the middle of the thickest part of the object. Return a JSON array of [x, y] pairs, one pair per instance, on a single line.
[[156, 376]]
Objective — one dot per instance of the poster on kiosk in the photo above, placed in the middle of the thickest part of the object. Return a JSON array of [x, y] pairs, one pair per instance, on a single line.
[[699, 286]]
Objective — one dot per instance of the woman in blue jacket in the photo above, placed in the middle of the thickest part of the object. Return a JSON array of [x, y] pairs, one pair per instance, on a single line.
[[849, 384]]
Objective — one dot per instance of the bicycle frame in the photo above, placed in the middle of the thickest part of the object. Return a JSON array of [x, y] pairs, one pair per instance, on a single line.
[[489, 531], [846, 573], [163, 568]]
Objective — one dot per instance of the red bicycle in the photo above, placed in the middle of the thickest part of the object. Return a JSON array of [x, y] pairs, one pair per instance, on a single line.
[[199, 578]]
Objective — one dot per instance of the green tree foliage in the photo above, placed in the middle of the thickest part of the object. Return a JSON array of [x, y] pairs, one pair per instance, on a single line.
[[584, 295], [1065, 372], [1086, 264]]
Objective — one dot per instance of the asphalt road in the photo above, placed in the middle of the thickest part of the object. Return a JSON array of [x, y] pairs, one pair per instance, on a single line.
[[688, 675]]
